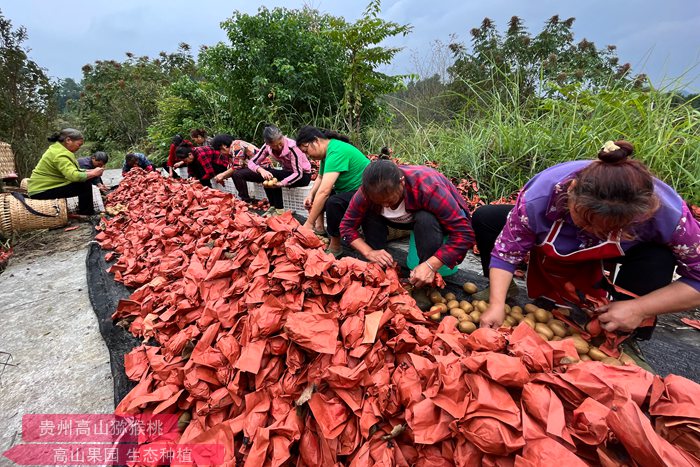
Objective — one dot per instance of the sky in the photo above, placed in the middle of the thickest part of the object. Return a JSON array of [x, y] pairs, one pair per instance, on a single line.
[[659, 38]]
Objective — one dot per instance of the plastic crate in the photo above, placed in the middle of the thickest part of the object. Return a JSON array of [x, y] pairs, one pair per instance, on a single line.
[[227, 187], [294, 198], [72, 203], [256, 190]]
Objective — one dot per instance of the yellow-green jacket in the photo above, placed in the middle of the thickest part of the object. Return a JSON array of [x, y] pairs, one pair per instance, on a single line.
[[57, 167]]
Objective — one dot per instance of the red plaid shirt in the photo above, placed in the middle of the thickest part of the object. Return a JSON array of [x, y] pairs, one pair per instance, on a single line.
[[209, 157], [426, 190]]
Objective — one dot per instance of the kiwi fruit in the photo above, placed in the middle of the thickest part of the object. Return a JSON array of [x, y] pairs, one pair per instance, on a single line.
[[558, 329], [530, 321], [457, 313], [466, 306], [597, 354], [541, 328], [581, 345], [541, 315], [517, 316], [611, 361]]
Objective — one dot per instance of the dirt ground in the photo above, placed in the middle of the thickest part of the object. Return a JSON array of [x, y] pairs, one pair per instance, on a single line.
[[52, 356]]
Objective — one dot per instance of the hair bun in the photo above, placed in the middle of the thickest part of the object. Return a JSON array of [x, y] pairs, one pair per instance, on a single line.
[[614, 152]]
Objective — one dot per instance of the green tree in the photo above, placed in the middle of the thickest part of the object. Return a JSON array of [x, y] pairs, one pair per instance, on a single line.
[[27, 106], [364, 85], [67, 94], [278, 66], [289, 67], [119, 100], [495, 61]]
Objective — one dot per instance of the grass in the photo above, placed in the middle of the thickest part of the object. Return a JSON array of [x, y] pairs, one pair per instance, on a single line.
[[502, 141]]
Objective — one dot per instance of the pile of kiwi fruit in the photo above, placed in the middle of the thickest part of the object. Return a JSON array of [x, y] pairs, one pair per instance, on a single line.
[[468, 314]]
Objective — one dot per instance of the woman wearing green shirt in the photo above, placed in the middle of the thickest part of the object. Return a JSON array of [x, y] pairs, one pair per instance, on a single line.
[[339, 177], [58, 175]]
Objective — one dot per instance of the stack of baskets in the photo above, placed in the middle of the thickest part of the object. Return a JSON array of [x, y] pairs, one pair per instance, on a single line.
[[72, 203], [15, 217], [7, 162]]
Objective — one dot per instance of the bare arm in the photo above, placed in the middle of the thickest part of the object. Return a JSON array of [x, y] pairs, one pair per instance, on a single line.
[[499, 281], [323, 192]]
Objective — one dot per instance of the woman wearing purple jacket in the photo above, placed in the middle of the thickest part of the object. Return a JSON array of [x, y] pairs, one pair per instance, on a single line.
[[573, 217]]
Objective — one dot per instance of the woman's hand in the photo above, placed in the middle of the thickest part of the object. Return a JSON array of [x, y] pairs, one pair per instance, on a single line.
[[381, 257], [219, 179], [308, 202], [422, 275], [623, 316], [265, 174], [96, 172], [493, 316]]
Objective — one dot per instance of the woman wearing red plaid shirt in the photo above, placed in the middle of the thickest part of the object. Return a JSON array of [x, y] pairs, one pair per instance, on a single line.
[[409, 197]]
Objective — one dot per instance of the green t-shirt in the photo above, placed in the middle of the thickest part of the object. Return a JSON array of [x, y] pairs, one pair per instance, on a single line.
[[348, 161]]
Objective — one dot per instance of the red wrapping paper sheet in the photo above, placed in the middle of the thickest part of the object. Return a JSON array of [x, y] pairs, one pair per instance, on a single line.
[[286, 356]]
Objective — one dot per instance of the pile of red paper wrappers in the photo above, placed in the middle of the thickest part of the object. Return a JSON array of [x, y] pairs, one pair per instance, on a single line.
[[287, 356]]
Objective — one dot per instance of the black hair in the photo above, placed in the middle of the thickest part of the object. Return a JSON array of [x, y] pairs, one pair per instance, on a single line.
[[381, 177], [221, 140], [385, 151], [308, 134], [177, 140], [61, 136], [198, 132], [183, 151], [131, 158], [100, 156]]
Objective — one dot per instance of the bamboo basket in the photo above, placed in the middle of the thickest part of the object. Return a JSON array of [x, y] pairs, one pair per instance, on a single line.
[[14, 216], [7, 161], [24, 184]]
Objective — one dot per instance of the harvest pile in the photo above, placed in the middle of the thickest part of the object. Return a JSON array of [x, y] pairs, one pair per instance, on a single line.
[[269, 346], [542, 321]]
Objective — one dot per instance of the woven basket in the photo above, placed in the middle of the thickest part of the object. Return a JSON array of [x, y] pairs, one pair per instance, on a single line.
[[14, 216], [24, 184], [7, 161]]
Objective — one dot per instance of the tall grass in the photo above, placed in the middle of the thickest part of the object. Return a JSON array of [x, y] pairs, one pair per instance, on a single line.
[[502, 140]]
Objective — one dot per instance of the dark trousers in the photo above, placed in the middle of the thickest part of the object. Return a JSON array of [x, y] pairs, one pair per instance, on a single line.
[[274, 195], [83, 190], [427, 232], [644, 268], [336, 205]]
